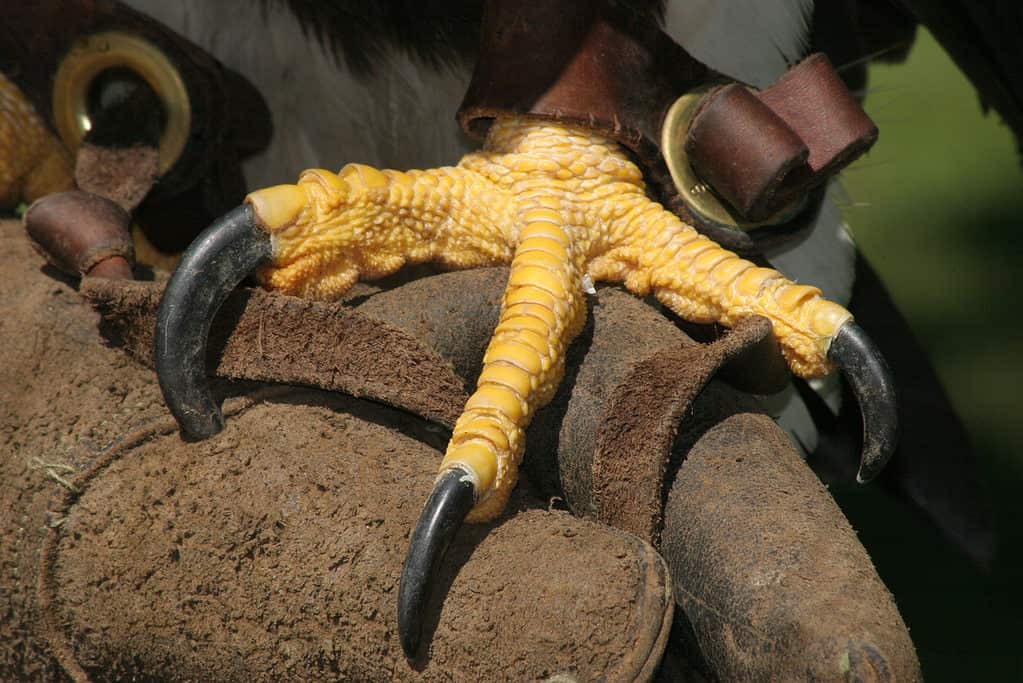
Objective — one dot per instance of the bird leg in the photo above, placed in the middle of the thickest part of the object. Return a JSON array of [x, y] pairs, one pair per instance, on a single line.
[[559, 203]]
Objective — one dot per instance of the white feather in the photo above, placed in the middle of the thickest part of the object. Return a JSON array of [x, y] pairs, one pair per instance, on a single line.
[[324, 117]]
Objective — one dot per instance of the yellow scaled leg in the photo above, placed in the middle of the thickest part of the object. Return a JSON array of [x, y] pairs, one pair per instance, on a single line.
[[701, 282], [557, 203], [33, 163], [542, 311]]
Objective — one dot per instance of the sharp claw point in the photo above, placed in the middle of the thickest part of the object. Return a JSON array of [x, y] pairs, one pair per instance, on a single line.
[[871, 381], [452, 497], [210, 268]]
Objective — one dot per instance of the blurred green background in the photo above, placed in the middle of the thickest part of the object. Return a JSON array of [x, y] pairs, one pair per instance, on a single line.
[[937, 207]]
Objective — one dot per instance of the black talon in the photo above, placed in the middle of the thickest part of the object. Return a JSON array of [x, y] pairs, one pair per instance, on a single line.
[[871, 380], [210, 268], [453, 496]]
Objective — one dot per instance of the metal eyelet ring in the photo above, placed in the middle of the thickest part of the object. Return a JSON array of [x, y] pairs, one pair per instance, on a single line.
[[92, 55], [699, 196]]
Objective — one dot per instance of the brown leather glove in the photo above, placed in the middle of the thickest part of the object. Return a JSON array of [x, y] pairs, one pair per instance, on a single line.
[[271, 552], [615, 427]]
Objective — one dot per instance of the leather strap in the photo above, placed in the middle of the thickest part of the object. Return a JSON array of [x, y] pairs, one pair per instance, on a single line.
[[612, 69], [807, 126], [81, 233], [593, 64]]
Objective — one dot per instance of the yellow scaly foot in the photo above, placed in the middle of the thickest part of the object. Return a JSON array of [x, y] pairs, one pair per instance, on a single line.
[[559, 204]]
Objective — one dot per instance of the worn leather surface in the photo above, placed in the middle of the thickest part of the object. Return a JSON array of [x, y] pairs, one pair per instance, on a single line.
[[787, 592], [644, 415], [123, 175], [272, 551], [632, 374], [270, 338], [228, 594]]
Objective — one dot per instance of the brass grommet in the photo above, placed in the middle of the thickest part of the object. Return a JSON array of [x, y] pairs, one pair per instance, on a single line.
[[699, 196], [92, 55]]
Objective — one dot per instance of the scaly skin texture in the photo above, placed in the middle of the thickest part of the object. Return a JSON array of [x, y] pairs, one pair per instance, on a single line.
[[557, 203], [33, 163]]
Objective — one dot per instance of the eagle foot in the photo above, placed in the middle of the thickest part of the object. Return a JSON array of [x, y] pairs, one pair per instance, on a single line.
[[564, 207]]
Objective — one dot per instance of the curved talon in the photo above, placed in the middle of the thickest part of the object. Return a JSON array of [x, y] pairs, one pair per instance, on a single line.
[[454, 494], [559, 204], [871, 380], [210, 268]]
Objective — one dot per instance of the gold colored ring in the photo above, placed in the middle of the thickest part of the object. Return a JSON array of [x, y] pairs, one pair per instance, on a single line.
[[90, 56], [698, 195]]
